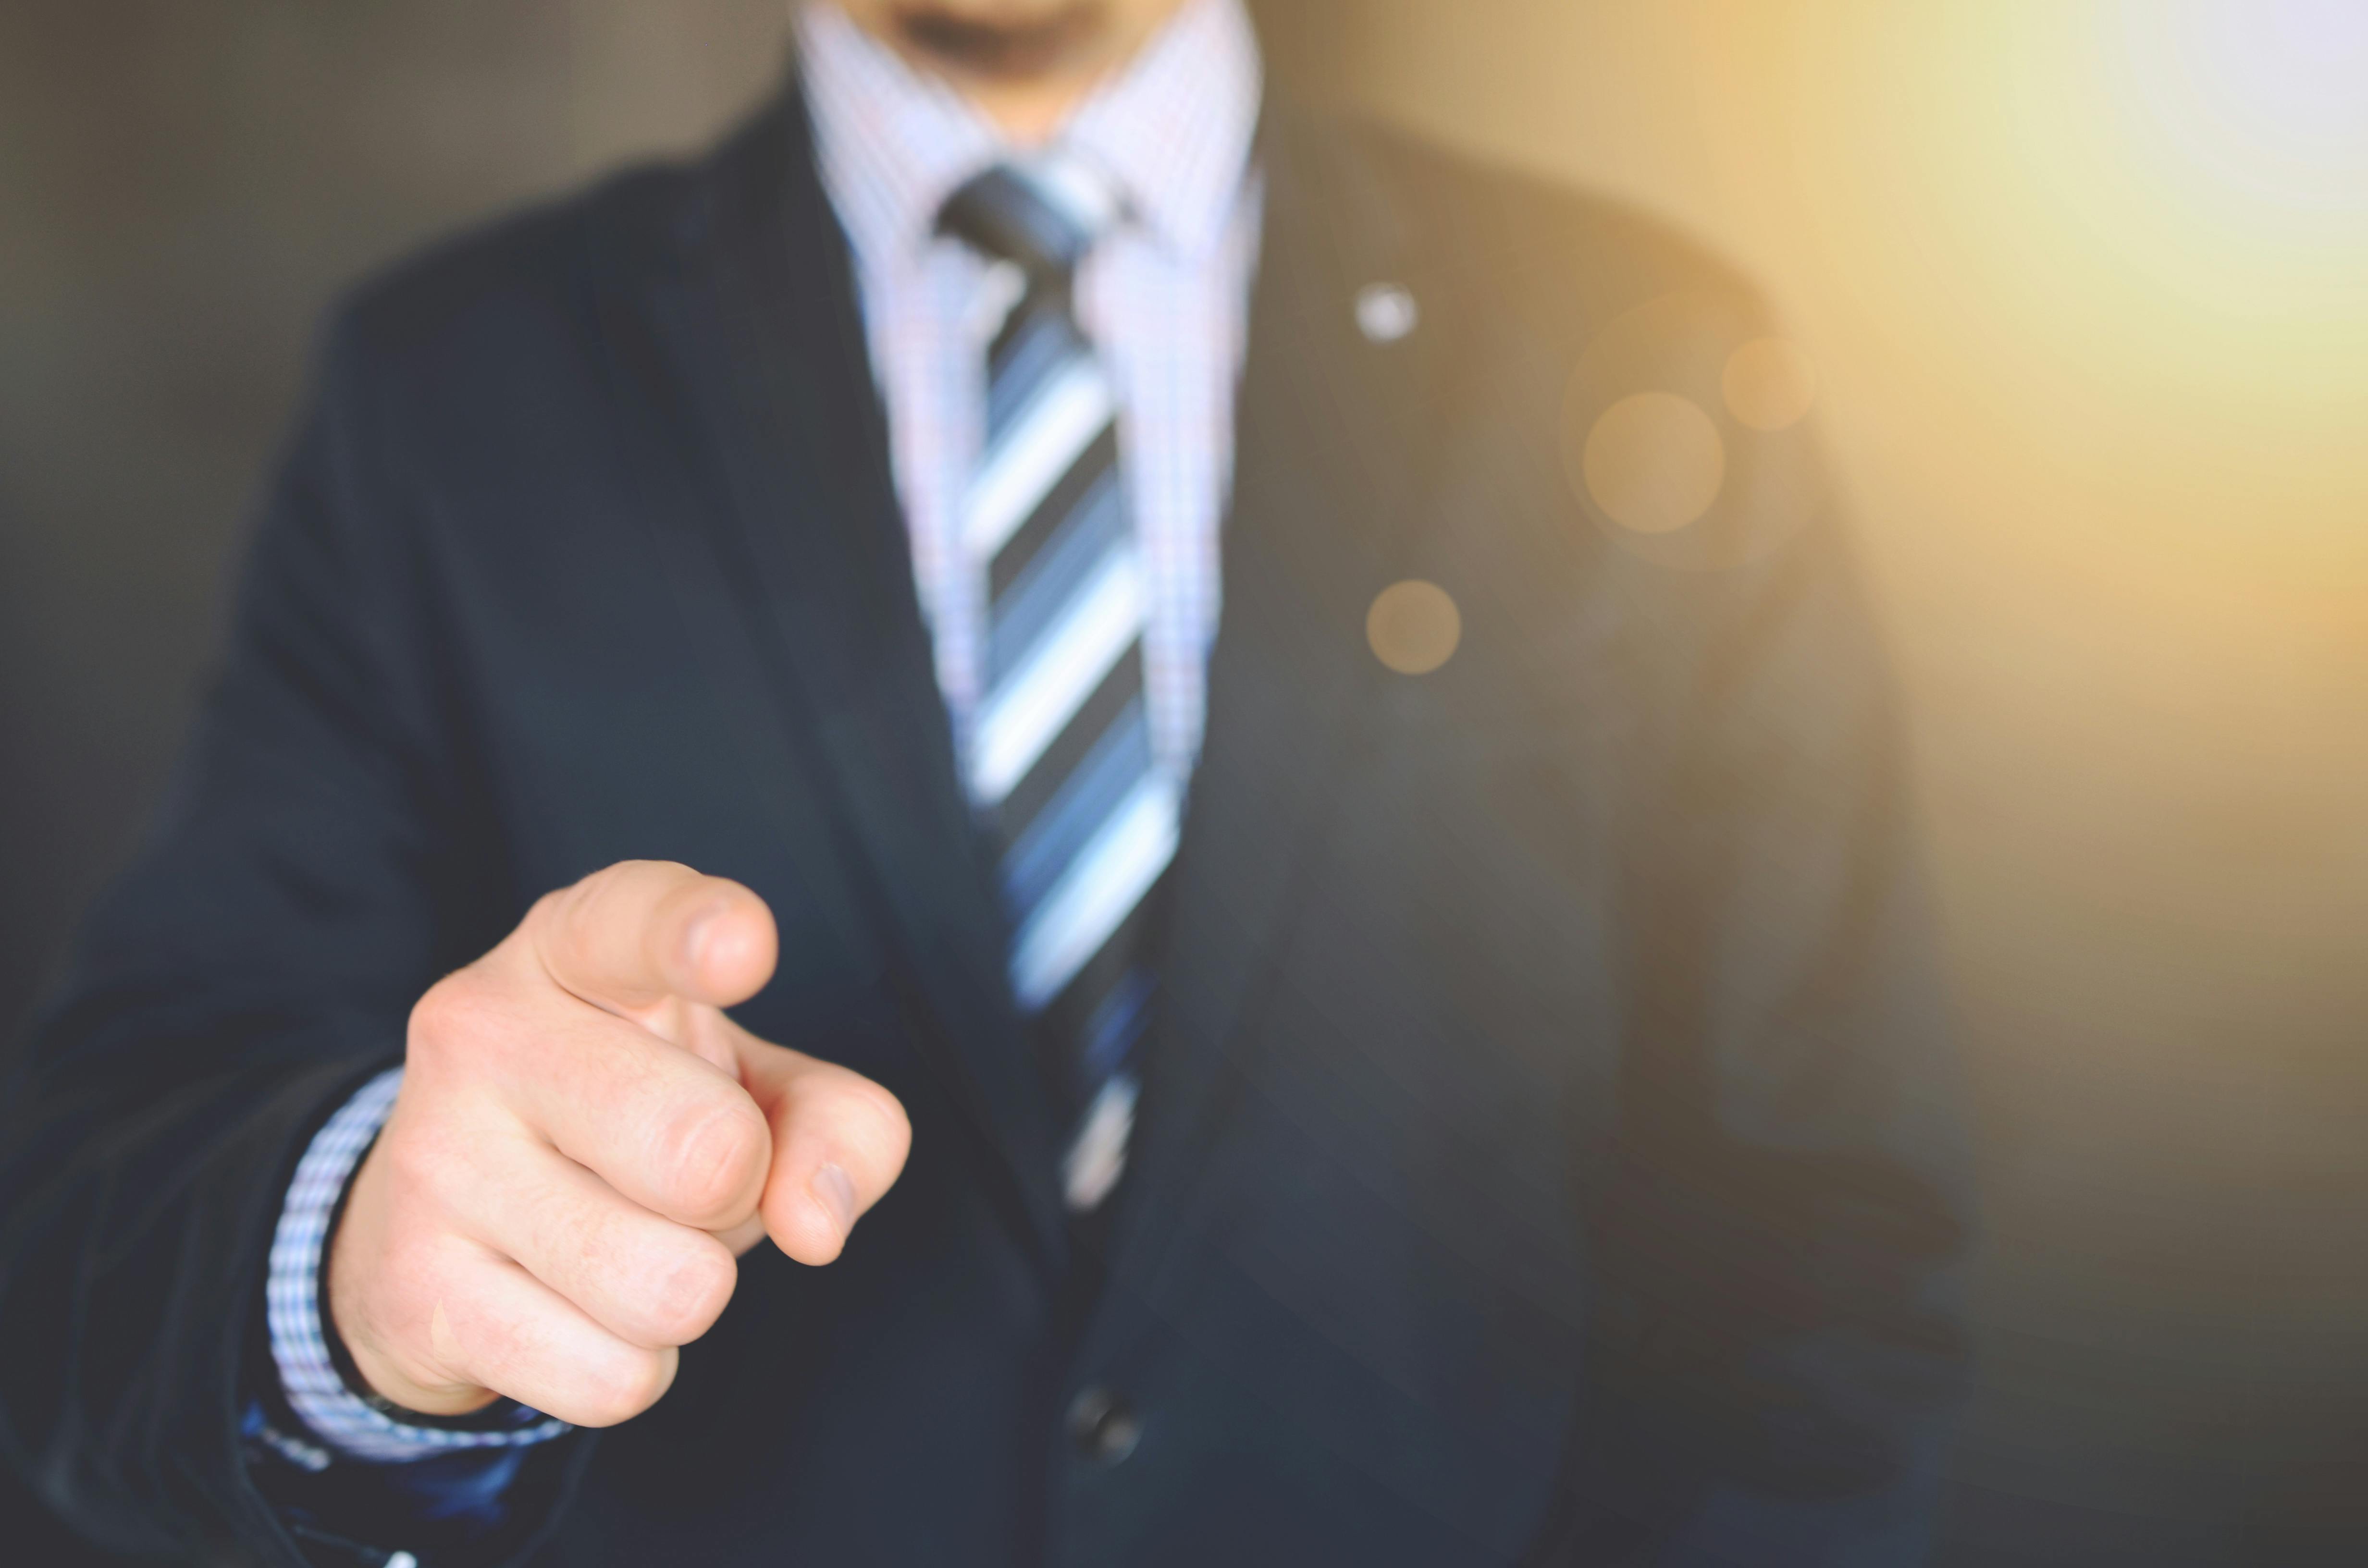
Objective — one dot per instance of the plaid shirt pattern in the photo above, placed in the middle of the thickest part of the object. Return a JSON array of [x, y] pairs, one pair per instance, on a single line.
[[1164, 297], [308, 1375]]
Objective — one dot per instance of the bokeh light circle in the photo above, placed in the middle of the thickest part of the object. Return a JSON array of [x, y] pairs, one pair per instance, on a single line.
[[1655, 462], [1769, 384], [1414, 627], [1655, 453]]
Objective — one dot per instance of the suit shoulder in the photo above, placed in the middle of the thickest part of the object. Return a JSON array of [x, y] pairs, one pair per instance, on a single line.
[[1533, 239], [470, 293]]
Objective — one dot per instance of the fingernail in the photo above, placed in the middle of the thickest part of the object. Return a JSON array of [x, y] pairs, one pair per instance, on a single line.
[[836, 1193]]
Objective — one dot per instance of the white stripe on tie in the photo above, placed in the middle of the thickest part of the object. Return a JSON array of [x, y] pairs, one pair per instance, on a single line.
[[1043, 443], [1028, 711], [1100, 890], [1079, 195], [1097, 1158]]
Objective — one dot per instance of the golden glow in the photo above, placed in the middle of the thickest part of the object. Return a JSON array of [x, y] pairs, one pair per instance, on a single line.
[[2268, 97], [2089, 272], [1769, 384], [2085, 285], [1655, 462], [2084, 278], [1414, 627]]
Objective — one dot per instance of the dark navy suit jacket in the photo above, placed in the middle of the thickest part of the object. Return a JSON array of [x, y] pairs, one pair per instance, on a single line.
[[1548, 1152]]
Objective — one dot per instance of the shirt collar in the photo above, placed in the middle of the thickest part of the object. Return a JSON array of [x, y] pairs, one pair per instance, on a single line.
[[1172, 130]]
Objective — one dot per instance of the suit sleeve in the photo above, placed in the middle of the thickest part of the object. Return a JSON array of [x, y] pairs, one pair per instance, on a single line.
[[320, 860], [1782, 1348]]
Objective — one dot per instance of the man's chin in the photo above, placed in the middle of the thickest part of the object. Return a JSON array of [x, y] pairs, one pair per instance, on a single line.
[[1063, 38]]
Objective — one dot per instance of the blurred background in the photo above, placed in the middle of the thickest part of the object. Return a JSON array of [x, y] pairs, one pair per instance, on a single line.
[[2085, 284]]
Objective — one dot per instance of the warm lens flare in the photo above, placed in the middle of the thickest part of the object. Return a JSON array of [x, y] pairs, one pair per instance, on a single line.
[[1655, 462], [1769, 384], [2092, 269]]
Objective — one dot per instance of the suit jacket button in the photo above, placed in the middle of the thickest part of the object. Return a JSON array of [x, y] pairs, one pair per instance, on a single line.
[[1103, 1426]]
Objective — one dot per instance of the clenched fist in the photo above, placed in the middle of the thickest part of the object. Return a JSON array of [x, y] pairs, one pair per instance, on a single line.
[[583, 1144]]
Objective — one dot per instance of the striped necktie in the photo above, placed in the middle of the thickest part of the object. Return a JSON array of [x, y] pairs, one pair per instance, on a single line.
[[1060, 764]]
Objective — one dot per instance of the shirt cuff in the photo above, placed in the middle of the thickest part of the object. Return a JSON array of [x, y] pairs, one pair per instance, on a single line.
[[350, 1424]]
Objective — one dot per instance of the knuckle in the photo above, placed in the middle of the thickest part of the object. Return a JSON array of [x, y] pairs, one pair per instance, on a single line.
[[442, 1012], [711, 1155], [618, 1387], [574, 935], [579, 1245], [577, 912], [690, 1293], [547, 910], [454, 1016], [657, 1284]]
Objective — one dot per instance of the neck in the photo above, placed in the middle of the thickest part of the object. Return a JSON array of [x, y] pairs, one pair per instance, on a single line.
[[1028, 113]]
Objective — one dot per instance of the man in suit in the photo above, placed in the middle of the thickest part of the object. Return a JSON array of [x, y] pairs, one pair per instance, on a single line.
[[1274, 971]]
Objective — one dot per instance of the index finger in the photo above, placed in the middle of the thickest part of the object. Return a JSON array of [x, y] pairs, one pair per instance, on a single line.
[[642, 931]]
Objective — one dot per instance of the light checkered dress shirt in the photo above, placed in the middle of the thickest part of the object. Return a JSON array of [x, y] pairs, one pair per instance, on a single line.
[[1165, 299]]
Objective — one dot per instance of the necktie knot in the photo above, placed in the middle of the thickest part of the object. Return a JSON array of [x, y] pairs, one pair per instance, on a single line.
[[1043, 218]]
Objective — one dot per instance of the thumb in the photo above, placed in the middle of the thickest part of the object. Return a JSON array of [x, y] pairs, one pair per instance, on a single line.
[[839, 1144]]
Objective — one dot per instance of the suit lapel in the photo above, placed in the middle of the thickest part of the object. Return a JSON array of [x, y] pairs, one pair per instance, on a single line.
[[1331, 426], [765, 322]]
